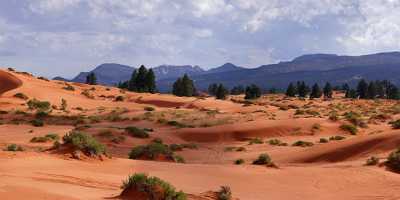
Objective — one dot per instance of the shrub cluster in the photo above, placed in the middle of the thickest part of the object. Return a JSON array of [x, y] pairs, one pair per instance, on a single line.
[[14, 147], [84, 142], [137, 132], [46, 138], [38, 105], [393, 161], [301, 143], [349, 128]]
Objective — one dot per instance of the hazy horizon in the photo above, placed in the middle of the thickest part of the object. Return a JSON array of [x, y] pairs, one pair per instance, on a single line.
[[64, 37]]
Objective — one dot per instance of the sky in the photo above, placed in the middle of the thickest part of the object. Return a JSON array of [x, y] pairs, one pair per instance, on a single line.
[[64, 37]]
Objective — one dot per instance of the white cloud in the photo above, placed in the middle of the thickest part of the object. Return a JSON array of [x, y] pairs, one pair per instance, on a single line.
[[44, 6], [204, 33]]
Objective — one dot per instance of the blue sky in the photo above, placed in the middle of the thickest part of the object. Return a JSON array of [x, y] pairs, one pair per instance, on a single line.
[[64, 37]]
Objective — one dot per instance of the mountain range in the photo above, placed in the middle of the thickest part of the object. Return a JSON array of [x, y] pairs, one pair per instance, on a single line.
[[313, 68]]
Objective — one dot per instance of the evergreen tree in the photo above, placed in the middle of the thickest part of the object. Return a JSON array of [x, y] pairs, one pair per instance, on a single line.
[[328, 90], [351, 93], [132, 82], [372, 90], [345, 87], [237, 90], [140, 81], [150, 81], [380, 91], [252, 92], [362, 89], [393, 92], [291, 90], [91, 79], [315, 92], [303, 89], [221, 92], [184, 87], [212, 89]]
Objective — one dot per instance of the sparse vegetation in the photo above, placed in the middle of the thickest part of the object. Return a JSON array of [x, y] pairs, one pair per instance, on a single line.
[[152, 187], [137, 132], [151, 151], [372, 161], [84, 142], [349, 128], [46, 138], [239, 161], [38, 105], [37, 122], [277, 142], [395, 124], [149, 108], [393, 161], [301, 143], [323, 140], [14, 147], [263, 159], [69, 87], [337, 137], [224, 193], [255, 141], [21, 96]]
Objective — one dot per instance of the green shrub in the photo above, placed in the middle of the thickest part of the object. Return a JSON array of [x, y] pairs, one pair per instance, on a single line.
[[84, 142], [349, 128], [323, 140], [118, 139], [38, 105], [14, 147], [21, 96], [301, 143], [224, 193], [150, 151], [239, 161], [179, 159], [393, 161], [148, 108], [157, 140], [41, 114], [69, 87], [176, 124], [137, 132], [395, 124], [152, 186], [355, 119], [37, 123], [46, 138], [263, 159], [372, 161], [176, 147], [255, 141], [276, 142], [337, 137]]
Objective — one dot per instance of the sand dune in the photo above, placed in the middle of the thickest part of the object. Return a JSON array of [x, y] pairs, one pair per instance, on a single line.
[[8, 82]]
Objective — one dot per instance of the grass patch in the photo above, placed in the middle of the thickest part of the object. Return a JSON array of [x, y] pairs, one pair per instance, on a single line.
[[349, 128]]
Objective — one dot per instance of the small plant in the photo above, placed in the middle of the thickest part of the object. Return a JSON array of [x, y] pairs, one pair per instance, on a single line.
[[276, 142], [151, 151], [179, 159], [38, 105], [190, 146], [37, 123], [349, 128], [157, 140], [393, 161], [69, 87], [84, 142], [224, 193], [176, 147], [21, 96], [87, 94], [263, 159], [239, 161], [41, 114], [152, 187], [333, 116], [301, 143], [372, 161], [137, 132], [255, 141], [323, 140], [14, 147], [395, 124], [64, 104], [337, 137], [241, 149], [148, 108], [176, 124], [47, 138], [119, 98]]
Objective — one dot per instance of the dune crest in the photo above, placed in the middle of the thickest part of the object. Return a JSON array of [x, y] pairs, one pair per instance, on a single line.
[[8, 82]]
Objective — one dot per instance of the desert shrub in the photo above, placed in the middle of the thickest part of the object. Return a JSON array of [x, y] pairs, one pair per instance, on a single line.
[[301, 143], [349, 128], [136, 132], [179, 159], [395, 124], [277, 142], [240, 149], [41, 114], [38, 105], [255, 141], [150, 151], [14, 147], [46, 138], [323, 140], [299, 112], [263, 159], [119, 98], [105, 134], [3, 112], [118, 139], [337, 137], [316, 126], [87, 94], [21, 96], [176, 124], [372, 161], [69, 87], [355, 119], [157, 140], [43, 78], [224, 193], [393, 161], [333, 116], [148, 108], [64, 104], [152, 186], [239, 161], [84, 142], [37, 123]]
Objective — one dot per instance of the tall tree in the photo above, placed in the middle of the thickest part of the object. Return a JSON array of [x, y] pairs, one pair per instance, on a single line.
[[132, 82], [141, 79], [237, 90], [303, 89], [362, 89], [184, 87], [221, 92], [372, 90], [291, 90], [212, 89], [393, 92], [328, 90], [91, 79], [315, 91], [150, 81], [252, 92]]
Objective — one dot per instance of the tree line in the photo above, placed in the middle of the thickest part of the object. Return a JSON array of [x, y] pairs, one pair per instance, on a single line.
[[142, 80], [301, 89]]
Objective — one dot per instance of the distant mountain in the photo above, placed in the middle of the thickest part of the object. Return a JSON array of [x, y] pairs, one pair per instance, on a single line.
[[107, 74], [224, 68], [59, 78], [173, 71]]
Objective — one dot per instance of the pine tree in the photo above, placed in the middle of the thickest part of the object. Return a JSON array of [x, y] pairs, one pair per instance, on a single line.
[[291, 90], [393, 92], [372, 90], [141, 79], [212, 89], [221, 92], [132, 82], [351, 93], [177, 88], [362, 89], [91, 79], [252, 92], [303, 89], [315, 92], [380, 91], [328, 90], [150, 81], [184, 87]]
